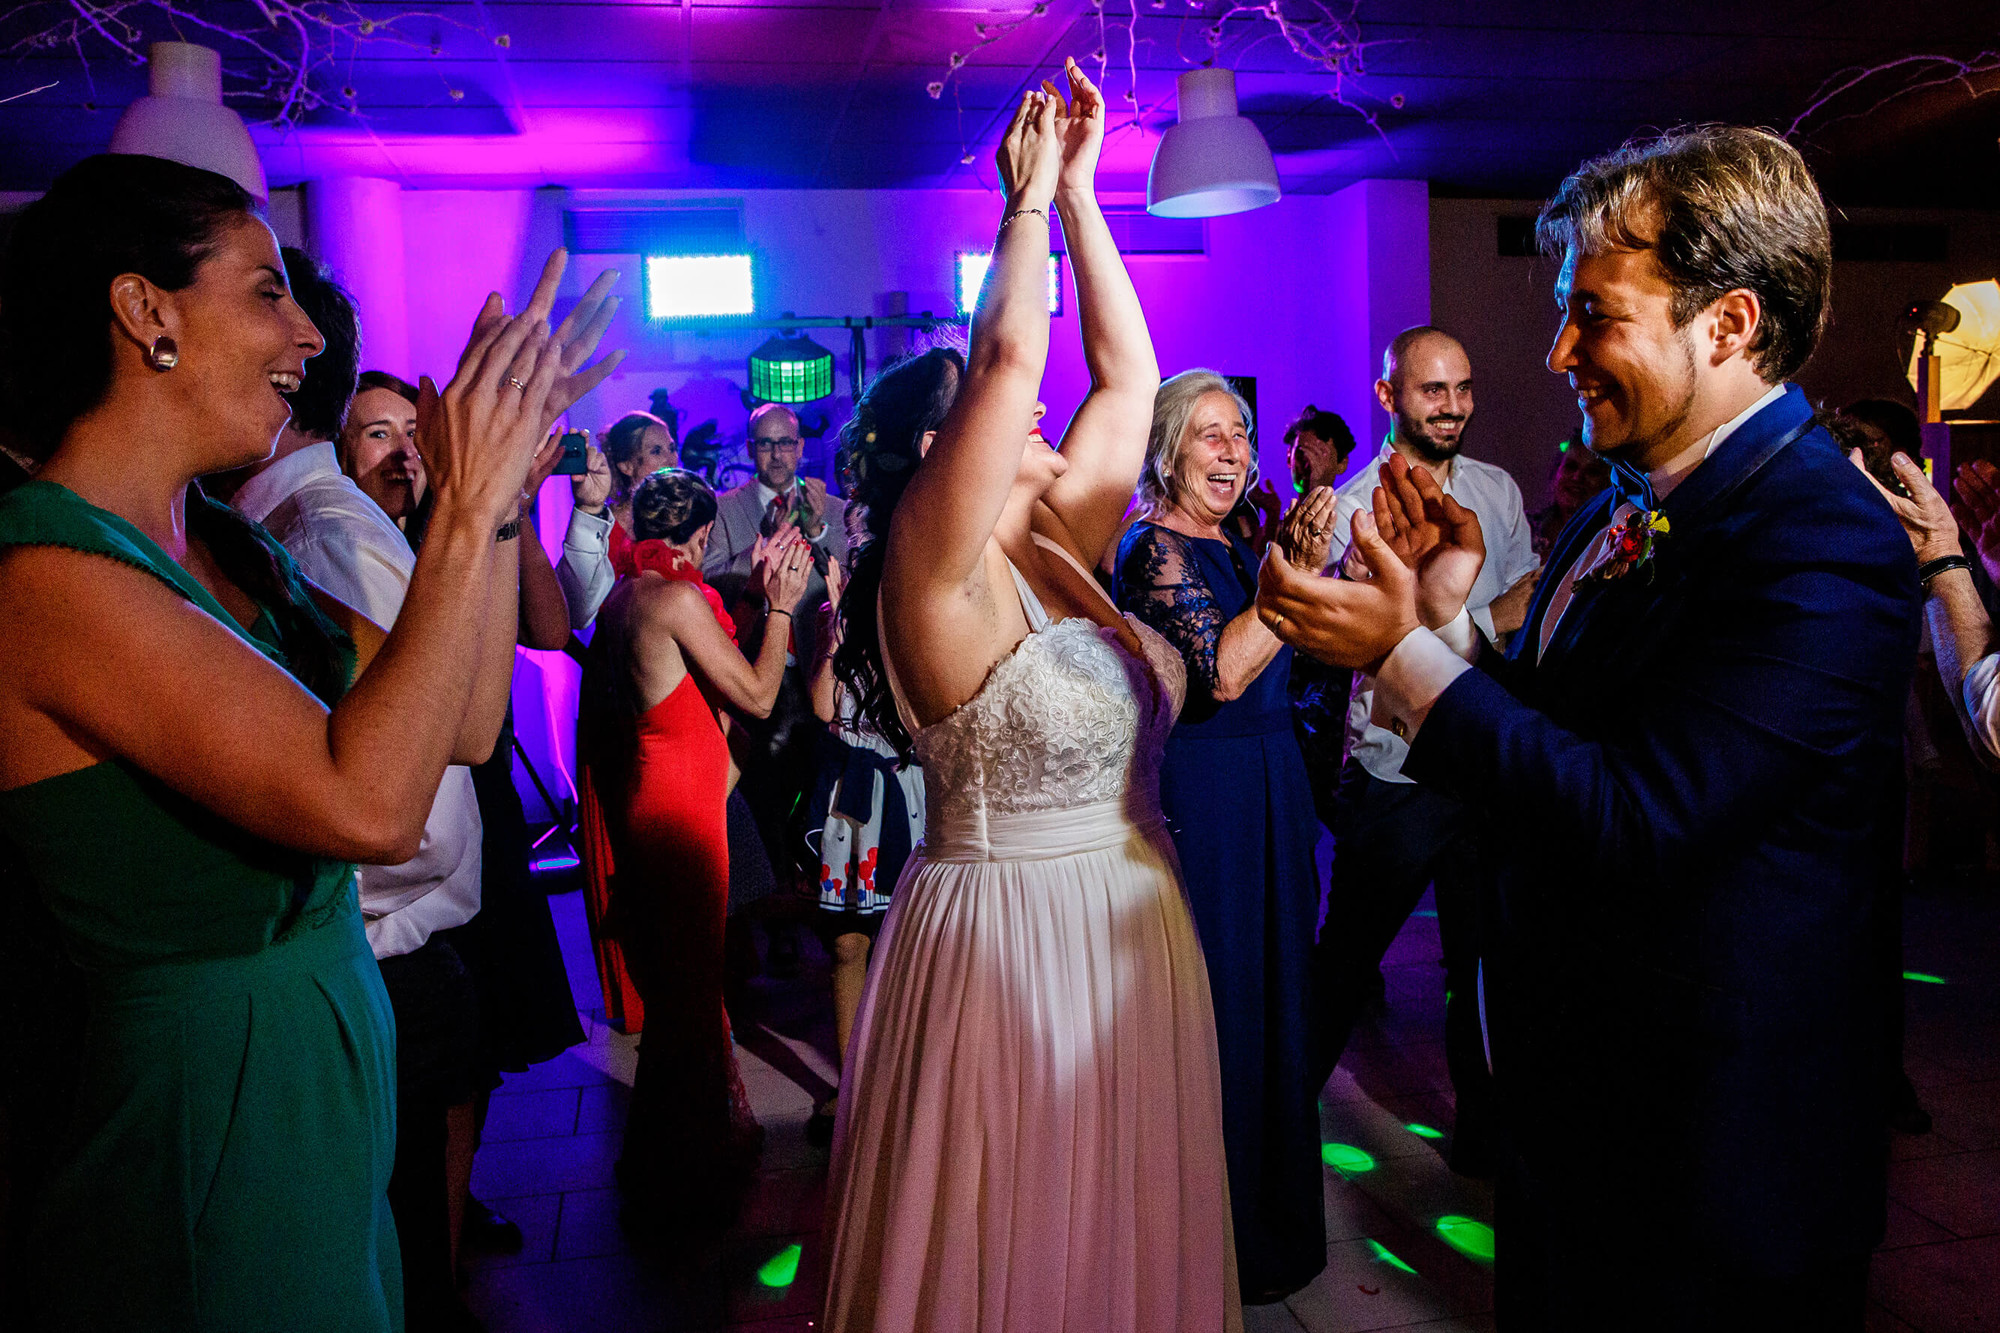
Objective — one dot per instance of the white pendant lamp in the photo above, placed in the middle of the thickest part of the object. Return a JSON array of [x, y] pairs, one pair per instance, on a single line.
[[1214, 161], [183, 118]]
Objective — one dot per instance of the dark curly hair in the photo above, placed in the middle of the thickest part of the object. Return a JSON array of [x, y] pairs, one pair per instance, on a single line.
[[673, 504], [1325, 425], [319, 408], [880, 448], [123, 213]]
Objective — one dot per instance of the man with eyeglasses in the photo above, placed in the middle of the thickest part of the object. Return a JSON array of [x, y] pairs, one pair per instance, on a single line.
[[779, 761], [776, 495]]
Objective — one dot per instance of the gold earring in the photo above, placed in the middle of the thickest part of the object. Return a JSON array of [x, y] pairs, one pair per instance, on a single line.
[[163, 354]]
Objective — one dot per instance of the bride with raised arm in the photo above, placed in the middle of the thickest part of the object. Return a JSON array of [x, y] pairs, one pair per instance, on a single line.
[[1030, 1131]]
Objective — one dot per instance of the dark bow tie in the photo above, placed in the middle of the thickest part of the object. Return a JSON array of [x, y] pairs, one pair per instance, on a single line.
[[1632, 486]]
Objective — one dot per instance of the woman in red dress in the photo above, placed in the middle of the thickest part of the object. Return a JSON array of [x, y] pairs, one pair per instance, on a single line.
[[664, 661]]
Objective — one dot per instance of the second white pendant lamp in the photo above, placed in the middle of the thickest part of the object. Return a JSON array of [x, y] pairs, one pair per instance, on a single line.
[[182, 117], [1213, 161]]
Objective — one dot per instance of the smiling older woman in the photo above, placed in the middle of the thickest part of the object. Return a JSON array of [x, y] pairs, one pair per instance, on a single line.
[[1238, 803]]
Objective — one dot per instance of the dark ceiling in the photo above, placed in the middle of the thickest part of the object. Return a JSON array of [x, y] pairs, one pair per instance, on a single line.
[[1496, 97]]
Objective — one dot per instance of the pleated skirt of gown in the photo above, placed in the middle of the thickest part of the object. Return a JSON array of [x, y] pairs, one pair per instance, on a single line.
[[1030, 1131]]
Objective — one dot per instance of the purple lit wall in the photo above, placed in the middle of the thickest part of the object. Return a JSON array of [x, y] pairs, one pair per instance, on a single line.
[[1302, 295]]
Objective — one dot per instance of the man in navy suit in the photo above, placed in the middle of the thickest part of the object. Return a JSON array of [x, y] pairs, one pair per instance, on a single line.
[[1690, 753]]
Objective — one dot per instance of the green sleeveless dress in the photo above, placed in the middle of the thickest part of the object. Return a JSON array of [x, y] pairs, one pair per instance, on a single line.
[[229, 1156]]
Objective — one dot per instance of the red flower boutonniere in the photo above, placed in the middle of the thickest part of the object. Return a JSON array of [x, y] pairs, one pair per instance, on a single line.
[[1630, 546]]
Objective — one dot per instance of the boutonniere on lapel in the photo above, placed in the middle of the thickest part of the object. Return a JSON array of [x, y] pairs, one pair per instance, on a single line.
[[1629, 545]]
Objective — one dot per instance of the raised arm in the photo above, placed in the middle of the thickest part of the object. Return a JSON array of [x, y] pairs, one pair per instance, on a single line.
[[129, 668], [1105, 445], [954, 501]]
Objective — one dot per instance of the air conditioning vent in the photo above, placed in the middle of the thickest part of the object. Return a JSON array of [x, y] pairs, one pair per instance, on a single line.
[[682, 230], [1138, 232]]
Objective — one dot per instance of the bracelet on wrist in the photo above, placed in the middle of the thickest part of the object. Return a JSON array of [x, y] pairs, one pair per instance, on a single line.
[[1944, 564], [779, 611], [1040, 213], [508, 531]]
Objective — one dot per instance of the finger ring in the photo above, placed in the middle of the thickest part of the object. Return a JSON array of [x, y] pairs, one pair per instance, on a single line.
[[1277, 620], [517, 384]]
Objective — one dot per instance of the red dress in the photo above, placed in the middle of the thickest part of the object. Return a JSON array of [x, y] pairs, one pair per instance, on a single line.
[[690, 1125], [600, 754]]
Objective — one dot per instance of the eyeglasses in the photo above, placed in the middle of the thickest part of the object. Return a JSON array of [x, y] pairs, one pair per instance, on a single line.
[[775, 444]]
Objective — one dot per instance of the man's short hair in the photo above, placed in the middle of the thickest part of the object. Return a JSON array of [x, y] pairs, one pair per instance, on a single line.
[[1720, 207], [1399, 347], [766, 409], [319, 408]]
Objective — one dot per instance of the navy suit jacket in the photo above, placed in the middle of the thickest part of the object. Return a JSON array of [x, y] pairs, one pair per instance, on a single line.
[[1695, 793]]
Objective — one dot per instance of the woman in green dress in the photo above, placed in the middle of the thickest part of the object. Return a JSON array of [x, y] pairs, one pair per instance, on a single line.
[[195, 747]]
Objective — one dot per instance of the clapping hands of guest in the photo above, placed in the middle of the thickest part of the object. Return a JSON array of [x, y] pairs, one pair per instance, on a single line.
[[1421, 551], [482, 433], [783, 565], [1306, 531], [1976, 506]]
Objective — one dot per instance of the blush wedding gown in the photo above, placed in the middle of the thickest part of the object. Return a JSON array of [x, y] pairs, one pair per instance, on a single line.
[[1030, 1133]]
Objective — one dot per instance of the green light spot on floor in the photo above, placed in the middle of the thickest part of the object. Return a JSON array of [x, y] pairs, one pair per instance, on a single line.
[[1424, 1131], [1467, 1236], [1383, 1254], [1345, 1158], [781, 1269], [1426, 912], [1929, 978]]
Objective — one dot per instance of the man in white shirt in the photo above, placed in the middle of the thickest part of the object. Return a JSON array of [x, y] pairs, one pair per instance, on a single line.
[[1393, 838], [348, 547]]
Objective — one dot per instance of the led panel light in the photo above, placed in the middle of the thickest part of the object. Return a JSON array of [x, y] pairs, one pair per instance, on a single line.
[[678, 286], [972, 266]]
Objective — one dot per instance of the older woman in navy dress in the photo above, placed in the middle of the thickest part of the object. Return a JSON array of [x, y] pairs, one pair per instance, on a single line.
[[1239, 805]]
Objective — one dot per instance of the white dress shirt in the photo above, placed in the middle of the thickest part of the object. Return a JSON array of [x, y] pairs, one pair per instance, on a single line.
[[348, 546], [585, 572], [1490, 493], [1424, 664], [1982, 700]]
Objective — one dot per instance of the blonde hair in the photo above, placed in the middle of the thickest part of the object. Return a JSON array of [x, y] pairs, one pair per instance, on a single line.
[[1173, 409]]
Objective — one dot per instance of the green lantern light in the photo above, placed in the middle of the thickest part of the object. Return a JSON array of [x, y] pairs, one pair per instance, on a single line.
[[791, 368]]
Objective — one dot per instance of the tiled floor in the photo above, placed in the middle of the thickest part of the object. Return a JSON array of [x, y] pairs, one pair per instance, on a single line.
[[1393, 1259]]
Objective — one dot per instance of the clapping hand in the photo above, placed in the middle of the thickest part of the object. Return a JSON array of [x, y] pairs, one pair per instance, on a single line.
[[1079, 125], [1306, 534], [1351, 623], [1976, 488], [1432, 534], [481, 434], [1030, 155], [784, 566]]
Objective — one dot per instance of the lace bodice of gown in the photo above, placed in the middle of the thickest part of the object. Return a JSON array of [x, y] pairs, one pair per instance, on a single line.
[[1069, 718]]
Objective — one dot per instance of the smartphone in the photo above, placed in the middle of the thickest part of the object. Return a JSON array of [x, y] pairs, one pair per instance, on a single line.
[[574, 462]]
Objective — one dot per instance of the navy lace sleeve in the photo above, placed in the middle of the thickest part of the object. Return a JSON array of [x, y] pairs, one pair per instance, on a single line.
[[1160, 582]]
